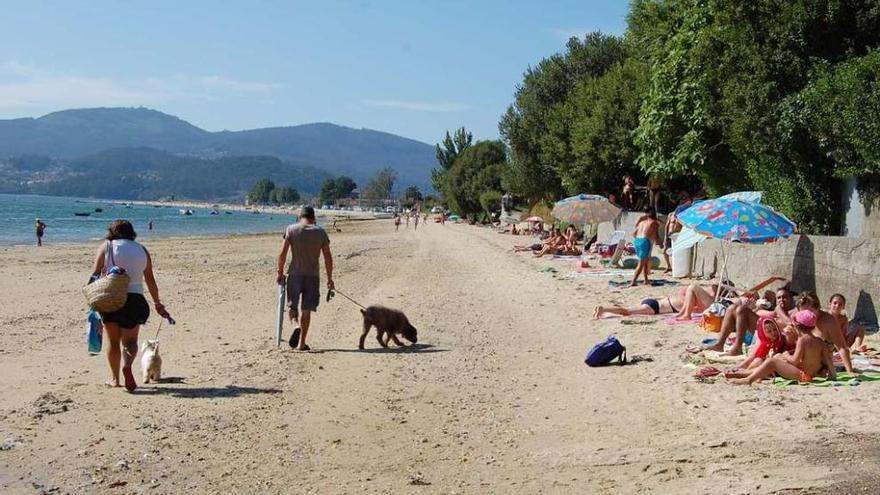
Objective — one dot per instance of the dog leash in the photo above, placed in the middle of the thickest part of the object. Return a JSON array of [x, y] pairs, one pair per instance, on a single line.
[[170, 322], [331, 292]]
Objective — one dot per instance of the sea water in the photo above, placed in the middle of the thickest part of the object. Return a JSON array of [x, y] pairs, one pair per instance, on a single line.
[[18, 212]]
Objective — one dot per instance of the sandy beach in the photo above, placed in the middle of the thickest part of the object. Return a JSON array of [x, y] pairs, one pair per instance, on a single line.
[[495, 398]]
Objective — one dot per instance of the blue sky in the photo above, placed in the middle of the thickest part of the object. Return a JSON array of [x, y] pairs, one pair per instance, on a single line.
[[414, 68]]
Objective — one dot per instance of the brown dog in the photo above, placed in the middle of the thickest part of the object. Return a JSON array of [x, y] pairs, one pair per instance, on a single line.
[[389, 323]]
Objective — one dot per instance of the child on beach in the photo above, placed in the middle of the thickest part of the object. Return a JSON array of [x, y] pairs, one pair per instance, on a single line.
[[646, 233], [855, 336], [809, 358], [770, 342]]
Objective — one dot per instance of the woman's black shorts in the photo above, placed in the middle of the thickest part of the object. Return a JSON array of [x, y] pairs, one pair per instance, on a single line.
[[135, 312]]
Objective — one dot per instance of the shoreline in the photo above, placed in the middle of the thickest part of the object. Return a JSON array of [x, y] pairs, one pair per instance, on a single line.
[[190, 237], [268, 209]]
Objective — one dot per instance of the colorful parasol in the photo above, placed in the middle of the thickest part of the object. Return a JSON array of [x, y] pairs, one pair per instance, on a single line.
[[736, 220], [534, 219], [585, 208]]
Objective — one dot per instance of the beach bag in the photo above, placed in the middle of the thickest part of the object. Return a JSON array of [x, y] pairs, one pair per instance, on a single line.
[[108, 293], [712, 317], [605, 352]]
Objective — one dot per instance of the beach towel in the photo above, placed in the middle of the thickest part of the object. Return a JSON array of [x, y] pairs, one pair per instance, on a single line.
[[839, 380], [565, 257], [547, 269], [695, 318], [596, 273], [657, 282]]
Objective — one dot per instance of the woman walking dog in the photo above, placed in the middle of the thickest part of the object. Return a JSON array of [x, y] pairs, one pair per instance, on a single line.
[[121, 326]]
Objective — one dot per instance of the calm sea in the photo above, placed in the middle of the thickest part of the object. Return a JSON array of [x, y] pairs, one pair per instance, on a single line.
[[18, 212]]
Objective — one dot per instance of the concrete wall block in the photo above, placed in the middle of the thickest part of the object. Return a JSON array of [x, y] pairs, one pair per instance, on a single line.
[[849, 266]]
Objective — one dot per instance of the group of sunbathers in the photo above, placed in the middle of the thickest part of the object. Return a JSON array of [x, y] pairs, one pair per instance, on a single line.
[[792, 339], [557, 243]]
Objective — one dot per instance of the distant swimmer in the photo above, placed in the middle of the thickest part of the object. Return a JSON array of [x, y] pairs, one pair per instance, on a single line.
[[40, 228], [150, 225]]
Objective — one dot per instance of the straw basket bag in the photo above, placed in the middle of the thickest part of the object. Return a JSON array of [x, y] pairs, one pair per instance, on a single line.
[[108, 293]]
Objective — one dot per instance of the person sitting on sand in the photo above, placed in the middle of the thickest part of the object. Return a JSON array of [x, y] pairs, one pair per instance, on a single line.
[[646, 233], [827, 327], [771, 341], [651, 306], [809, 358], [567, 246], [742, 317], [554, 239], [514, 230], [855, 336]]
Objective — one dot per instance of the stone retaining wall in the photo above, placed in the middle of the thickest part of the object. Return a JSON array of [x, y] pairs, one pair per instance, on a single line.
[[850, 266]]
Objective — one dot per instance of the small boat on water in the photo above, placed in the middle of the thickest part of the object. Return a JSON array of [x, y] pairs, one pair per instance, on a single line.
[[82, 213], [215, 212], [228, 212], [99, 210], [186, 212]]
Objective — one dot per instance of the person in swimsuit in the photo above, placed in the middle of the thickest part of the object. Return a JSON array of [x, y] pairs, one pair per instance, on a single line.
[[646, 232], [855, 334], [649, 306], [827, 328], [809, 358], [741, 317], [40, 228]]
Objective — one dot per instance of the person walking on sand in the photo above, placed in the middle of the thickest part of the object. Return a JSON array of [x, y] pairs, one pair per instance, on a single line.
[[40, 228], [122, 326], [306, 243], [396, 222], [646, 233], [416, 225]]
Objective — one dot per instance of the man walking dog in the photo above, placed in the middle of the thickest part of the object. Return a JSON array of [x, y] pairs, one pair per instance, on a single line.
[[305, 241]]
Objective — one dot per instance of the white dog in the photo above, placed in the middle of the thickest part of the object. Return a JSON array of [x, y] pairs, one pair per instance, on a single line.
[[151, 362]]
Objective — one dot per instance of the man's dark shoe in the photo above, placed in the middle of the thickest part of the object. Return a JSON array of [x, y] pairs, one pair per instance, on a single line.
[[294, 338]]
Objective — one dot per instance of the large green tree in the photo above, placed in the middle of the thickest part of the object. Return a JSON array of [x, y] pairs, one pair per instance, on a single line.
[[531, 173], [337, 188], [725, 98], [447, 151], [475, 172], [381, 185], [261, 192]]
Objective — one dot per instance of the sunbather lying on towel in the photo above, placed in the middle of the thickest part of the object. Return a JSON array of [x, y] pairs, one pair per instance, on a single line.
[[651, 306]]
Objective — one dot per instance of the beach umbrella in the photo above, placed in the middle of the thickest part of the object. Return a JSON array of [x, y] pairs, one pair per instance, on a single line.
[[687, 237], [535, 219], [736, 220], [585, 208], [453, 218]]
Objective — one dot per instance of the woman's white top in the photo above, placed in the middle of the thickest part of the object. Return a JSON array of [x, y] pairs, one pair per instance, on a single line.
[[131, 256]]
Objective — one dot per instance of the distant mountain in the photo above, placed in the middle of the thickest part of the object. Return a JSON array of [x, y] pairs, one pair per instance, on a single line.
[[73, 134], [147, 173]]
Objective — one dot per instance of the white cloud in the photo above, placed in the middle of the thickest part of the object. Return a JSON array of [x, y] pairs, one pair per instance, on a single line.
[[23, 86], [418, 106]]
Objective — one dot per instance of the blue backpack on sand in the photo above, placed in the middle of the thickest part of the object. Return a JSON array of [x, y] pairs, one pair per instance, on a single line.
[[605, 352]]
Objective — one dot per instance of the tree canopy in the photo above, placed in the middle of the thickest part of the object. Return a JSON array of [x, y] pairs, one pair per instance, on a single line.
[[780, 96], [475, 172], [337, 188], [381, 185]]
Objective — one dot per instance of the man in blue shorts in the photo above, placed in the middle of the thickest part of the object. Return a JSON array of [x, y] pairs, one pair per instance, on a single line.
[[647, 232]]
